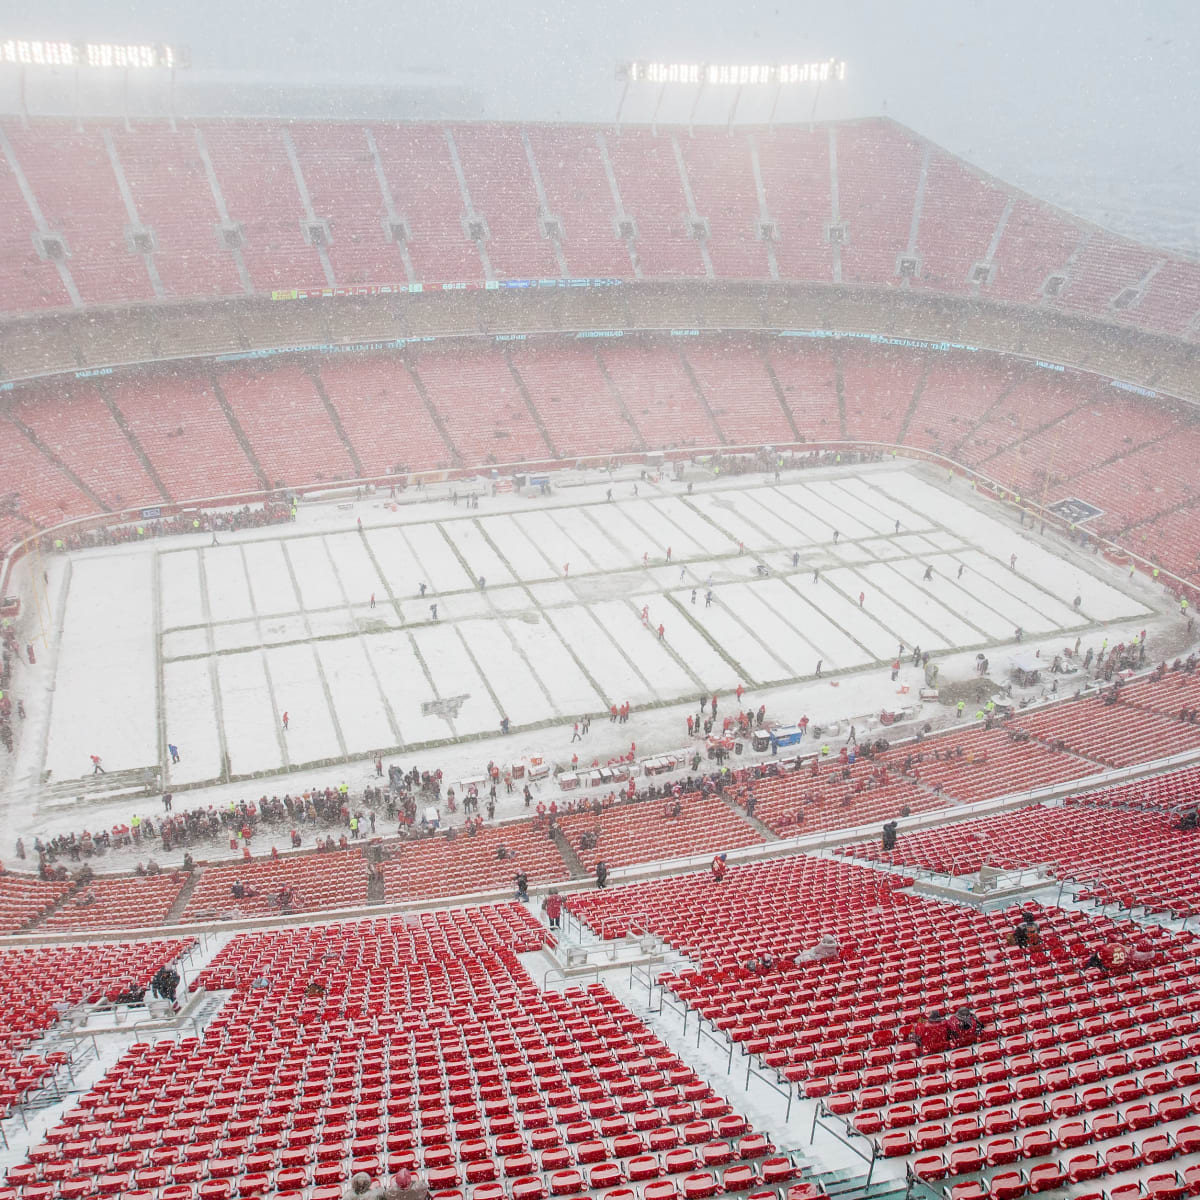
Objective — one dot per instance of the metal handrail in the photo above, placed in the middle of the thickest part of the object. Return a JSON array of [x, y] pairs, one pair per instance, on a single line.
[[561, 974], [823, 1111], [788, 1093], [685, 1010], [725, 1044]]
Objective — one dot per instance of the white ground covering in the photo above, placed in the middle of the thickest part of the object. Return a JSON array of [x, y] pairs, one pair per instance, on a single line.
[[207, 646]]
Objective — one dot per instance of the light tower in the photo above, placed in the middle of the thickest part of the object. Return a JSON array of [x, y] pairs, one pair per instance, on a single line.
[[733, 77]]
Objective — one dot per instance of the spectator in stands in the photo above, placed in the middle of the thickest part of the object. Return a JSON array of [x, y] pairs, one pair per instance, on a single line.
[[931, 1033], [1117, 958], [164, 983], [963, 1027], [718, 867], [522, 887], [1188, 821], [408, 1186], [553, 906], [825, 949], [358, 1187], [601, 874], [1025, 933], [889, 836], [1111, 957]]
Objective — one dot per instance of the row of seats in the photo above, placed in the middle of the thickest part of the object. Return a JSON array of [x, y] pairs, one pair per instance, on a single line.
[[1068, 1054], [116, 902], [238, 428], [648, 832], [835, 796], [23, 899], [415, 1042], [979, 764], [37, 985], [1119, 845], [425, 203], [422, 869]]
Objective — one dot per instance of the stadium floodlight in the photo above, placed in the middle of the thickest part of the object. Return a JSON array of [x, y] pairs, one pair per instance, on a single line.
[[125, 56], [36, 54], [727, 75], [733, 74]]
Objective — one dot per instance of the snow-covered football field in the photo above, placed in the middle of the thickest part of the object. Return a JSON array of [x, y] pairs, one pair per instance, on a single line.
[[539, 613]]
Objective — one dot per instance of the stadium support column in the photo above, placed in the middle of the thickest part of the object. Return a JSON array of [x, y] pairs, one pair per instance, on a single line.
[[625, 226], [834, 219], [395, 223], [139, 238], [982, 271], [696, 223], [229, 232], [45, 239], [912, 255], [767, 228], [316, 230], [551, 225], [474, 224]]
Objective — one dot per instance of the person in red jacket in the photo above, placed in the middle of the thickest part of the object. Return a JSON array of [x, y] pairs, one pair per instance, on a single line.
[[930, 1033], [1117, 958], [963, 1028], [553, 906], [718, 867]]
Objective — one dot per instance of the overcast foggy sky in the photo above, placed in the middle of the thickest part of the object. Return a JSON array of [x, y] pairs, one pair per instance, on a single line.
[[1104, 91]]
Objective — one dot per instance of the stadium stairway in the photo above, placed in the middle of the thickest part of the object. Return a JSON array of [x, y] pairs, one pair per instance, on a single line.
[[767, 832], [181, 901], [335, 420], [575, 867], [238, 431], [139, 781]]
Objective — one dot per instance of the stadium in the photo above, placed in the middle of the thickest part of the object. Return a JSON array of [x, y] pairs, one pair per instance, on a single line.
[[629, 660]]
